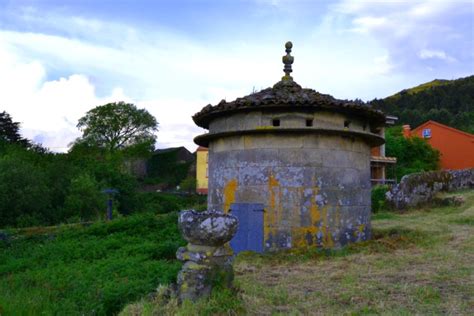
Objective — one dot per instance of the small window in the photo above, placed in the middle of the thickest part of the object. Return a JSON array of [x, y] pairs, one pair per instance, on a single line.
[[346, 124], [276, 122], [427, 133], [309, 123]]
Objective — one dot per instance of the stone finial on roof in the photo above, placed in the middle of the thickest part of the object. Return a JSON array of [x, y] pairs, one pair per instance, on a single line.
[[288, 60]]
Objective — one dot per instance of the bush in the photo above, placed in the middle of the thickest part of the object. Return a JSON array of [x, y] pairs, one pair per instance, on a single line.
[[413, 154], [378, 197], [188, 184], [24, 192], [160, 203], [93, 270], [85, 200]]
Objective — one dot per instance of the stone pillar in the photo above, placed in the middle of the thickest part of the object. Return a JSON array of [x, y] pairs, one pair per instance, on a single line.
[[207, 257]]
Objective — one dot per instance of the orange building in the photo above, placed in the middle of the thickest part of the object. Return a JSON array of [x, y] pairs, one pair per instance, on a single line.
[[456, 147]]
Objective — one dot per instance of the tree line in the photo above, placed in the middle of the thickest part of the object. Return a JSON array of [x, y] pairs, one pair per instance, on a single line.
[[450, 102], [38, 187]]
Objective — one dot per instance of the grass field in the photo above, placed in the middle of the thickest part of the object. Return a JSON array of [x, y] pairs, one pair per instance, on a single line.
[[95, 270], [418, 263]]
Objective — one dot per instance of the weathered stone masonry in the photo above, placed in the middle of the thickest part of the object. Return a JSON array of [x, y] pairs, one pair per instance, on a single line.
[[304, 155], [420, 188]]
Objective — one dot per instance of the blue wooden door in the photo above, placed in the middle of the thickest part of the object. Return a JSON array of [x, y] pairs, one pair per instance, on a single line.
[[249, 235]]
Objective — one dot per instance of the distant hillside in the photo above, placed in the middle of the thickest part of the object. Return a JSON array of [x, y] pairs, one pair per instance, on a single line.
[[450, 102]]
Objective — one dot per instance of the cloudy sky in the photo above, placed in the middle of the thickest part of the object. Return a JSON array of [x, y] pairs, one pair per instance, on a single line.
[[58, 59]]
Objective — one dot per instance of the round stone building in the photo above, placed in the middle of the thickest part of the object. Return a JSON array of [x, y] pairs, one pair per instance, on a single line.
[[292, 164]]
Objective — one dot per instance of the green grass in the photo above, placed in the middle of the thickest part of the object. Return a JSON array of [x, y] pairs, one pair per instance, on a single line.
[[93, 270], [419, 262], [468, 220], [221, 302]]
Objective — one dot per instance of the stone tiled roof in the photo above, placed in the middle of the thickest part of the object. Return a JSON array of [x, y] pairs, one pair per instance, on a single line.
[[288, 95]]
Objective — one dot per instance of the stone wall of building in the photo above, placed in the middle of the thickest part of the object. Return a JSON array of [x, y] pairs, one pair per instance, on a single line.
[[420, 188], [264, 119], [315, 188]]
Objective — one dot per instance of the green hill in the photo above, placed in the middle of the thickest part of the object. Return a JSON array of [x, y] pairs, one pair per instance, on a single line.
[[450, 102]]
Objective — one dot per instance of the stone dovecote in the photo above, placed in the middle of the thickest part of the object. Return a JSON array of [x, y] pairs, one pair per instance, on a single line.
[[304, 156]]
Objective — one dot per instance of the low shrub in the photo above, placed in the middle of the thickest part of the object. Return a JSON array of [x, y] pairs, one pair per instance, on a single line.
[[94, 270], [161, 203], [378, 198]]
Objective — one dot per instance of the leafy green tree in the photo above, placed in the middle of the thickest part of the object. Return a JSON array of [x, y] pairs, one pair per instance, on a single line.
[[108, 172], [10, 131], [188, 184], [116, 126], [25, 196], [85, 199], [413, 154]]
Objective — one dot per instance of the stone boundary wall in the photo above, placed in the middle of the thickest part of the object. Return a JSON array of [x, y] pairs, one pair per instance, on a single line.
[[419, 188]]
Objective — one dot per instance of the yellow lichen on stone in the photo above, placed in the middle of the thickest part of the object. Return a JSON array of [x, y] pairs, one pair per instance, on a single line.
[[229, 194], [326, 231], [314, 211], [248, 142], [360, 230], [272, 215], [306, 236]]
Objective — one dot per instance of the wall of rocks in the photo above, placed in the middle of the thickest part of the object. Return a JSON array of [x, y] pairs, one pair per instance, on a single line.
[[420, 188]]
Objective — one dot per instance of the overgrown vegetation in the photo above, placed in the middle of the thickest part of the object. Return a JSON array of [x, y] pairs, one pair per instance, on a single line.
[[413, 154], [165, 202], [95, 270], [38, 187], [41, 188], [412, 261], [450, 102], [221, 302], [419, 262], [378, 197], [166, 168]]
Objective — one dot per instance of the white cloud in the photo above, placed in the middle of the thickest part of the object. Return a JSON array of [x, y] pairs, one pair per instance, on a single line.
[[48, 110], [366, 23], [65, 65], [431, 53], [169, 74], [383, 65], [408, 28]]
